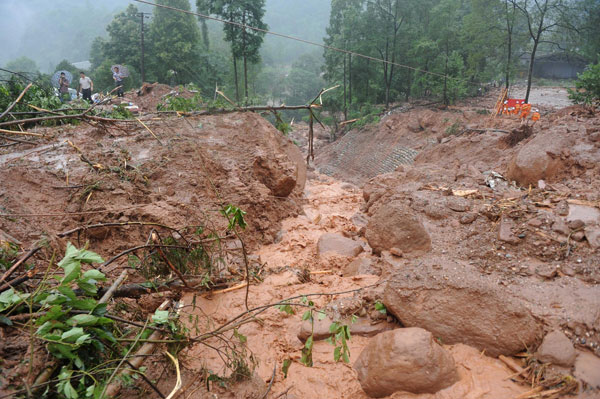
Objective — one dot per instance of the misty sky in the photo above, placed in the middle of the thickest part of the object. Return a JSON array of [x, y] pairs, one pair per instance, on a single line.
[[50, 31]]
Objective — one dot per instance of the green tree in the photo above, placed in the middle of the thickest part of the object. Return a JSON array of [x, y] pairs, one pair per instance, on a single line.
[[245, 43], [123, 43], [65, 65], [174, 39]]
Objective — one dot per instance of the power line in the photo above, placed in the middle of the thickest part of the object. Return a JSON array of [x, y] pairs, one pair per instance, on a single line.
[[325, 46]]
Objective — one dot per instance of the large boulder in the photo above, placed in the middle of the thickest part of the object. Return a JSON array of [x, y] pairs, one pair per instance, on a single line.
[[395, 225], [338, 245], [459, 305], [539, 159], [406, 359]]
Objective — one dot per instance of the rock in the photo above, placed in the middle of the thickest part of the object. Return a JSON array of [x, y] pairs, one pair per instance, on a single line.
[[468, 218], [458, 305], [505, 231], [277, 174], [339, 245], [592, 235], [435, 211], [557, 349], [576, 224], [395, 225], [578, 236], [587, 369], [587, 214], [320, 329], [559, 226], [541, 184], [539, 159], [396, 252], [458, 204], [365, 328], [406, 359], [359, 266]]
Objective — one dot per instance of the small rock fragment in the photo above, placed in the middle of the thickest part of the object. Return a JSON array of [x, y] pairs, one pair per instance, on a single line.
[[505, 231], [468, 218], [592, 234]]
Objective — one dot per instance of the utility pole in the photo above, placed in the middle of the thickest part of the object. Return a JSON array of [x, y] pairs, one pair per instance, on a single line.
[[142, 15]]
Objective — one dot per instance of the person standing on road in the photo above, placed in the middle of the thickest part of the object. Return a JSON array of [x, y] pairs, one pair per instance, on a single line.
[[86, 86], [63, 87], [118, 78]]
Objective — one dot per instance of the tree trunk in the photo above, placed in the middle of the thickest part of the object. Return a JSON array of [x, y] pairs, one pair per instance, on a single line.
[[350, 79], [530, 71], [245, 58], [345, 99], [368, 76], [205, 37], [446, 100], [235, 74]]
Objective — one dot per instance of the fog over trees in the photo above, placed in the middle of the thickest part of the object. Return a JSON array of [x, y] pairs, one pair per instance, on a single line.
[[394, 49]]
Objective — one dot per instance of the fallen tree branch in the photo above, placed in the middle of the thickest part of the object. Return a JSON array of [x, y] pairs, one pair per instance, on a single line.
[[113, 388], [18, 263], [20, 133]]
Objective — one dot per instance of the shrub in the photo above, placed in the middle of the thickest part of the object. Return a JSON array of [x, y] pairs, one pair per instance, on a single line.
[[587, 86]]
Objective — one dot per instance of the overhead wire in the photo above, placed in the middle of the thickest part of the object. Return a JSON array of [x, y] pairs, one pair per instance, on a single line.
[[282, 35]]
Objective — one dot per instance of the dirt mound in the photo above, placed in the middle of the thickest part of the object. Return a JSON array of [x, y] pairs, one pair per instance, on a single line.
[[199, 165]]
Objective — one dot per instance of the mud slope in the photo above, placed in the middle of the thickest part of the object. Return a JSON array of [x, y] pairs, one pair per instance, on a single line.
[[124, 174]]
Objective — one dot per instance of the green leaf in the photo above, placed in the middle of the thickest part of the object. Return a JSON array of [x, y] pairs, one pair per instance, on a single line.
[[72, 270], [61, 351], [86, 256], [94, 274], [239, 336], [333, 327], [380, 307], [337, 353], [103, 334], [321, 315], [67, 291], [5, 320], [286, 308], [87, 287], [83, 304], [307, 315], [70, 252], [72, 335], [100, 309], [160, 317], [83, 320], [83, 339], [309, 343], [286, 366]]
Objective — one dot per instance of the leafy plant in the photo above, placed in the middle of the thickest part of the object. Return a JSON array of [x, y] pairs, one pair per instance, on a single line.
[[587, 86], [235, 216], [73, 325]]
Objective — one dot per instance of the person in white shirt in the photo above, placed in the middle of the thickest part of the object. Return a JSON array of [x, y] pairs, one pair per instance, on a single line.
[[86, 86]]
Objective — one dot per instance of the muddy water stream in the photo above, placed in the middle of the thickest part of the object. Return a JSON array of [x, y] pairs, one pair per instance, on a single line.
[[329, 208]]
